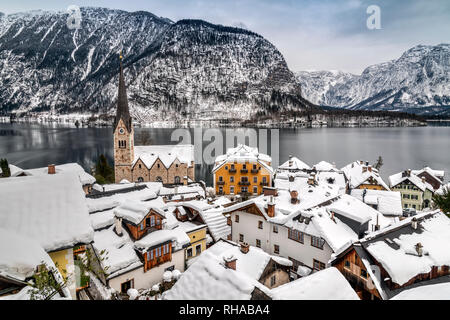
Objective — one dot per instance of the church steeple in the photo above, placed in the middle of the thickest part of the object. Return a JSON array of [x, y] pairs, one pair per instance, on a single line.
[[123, 111]]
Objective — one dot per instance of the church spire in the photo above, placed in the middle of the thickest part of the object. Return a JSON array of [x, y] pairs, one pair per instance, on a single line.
[[122, 102]]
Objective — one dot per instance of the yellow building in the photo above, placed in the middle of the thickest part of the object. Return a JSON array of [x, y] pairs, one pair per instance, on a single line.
[[242, 170]]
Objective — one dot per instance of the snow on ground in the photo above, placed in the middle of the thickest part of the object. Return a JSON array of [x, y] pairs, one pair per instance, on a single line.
[[439, 291]]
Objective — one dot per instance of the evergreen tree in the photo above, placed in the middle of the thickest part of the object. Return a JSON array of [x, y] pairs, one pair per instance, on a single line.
[[442, 201], [104, 173], [5, 168], [379, 163]]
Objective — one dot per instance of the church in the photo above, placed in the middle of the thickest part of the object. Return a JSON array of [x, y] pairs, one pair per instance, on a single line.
[[169, 164]]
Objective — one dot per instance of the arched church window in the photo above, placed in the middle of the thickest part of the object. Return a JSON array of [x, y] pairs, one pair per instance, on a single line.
[[177, 179], [140, 179]]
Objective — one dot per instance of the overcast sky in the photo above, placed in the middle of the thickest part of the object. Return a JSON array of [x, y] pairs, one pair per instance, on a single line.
[[311, 34]]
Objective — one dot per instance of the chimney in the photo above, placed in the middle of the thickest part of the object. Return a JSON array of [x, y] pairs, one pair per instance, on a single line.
[[245, 247], [294, 196], [364, 169], [291, 178], [369, 168], [290, 160], [118, 226], [419, 249], [271, 208], [230, 262], [51, 169], [409, 172], [414, 223], [423, 180]]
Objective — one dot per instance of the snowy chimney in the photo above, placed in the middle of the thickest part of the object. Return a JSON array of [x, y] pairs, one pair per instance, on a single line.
[[414, 223], [419, 249], [245, 247], [294, 196], [290, 160], [369, 168], [271, 208], [230, 262], [118, 226], [364, 169], [423, 180], [51, 169], [409, 172]]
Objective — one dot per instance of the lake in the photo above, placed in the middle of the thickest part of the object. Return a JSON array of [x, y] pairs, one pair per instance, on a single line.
[[30, 145]]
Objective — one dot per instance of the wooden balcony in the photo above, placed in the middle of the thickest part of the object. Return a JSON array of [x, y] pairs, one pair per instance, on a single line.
[[244, 170]]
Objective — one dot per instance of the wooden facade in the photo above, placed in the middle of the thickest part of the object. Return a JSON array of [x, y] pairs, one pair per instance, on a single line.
[[353, 269], [157, 255], [151, 222]]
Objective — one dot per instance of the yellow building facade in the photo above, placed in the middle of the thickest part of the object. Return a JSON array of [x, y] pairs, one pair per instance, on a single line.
[[243, 170], [197, 245]]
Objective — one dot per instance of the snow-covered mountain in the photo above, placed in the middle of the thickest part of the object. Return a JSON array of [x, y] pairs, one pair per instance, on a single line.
[[190, 68], [418, 81]]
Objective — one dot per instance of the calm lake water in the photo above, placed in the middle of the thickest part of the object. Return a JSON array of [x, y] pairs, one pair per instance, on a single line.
[[35, 145]]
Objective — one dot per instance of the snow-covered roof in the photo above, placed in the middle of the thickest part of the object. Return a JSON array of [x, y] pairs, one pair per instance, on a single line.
[[327, 284], [216, 282], [251, 263], [212, 215], [400, 177], [437, 291], [51, 209], [20, 255], [436, 173], [187, 191], [241, 154], [358, 174], [395, 247], [135, 211], [324, 166], [120, 252], [388, 202], [85, 178], [166, 153], [176, 235], [294, 163]]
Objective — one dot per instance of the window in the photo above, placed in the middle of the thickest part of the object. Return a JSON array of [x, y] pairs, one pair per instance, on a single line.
[[232, 167], [275, 229], [158, 165], [140, 179], [226, 167], [152, 221], [264, 179], [273, 280], [317, 265], [364, 273], [347, 264], [244, 189], [241, 237], [220, 190], [255, 179], [122, 144], [125, 286], [317, 242], [176, 166], [232, 189], [258, 243], [255, 189], [295, 264], [244, 166], [177, 179], [220, 178], [198, 249], [254, 167], [165, 249], [276, 248], [232, 179], [296, 235], [244, 179], [189, 252], [140, 166], [236, 218], [142, 226], [260, 224], [159, 179]]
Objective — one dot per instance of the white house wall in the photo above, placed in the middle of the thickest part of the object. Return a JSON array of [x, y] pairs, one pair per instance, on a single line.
[[145, 280]]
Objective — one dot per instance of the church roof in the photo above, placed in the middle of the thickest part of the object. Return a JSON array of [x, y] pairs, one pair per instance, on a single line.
[[123, 111]]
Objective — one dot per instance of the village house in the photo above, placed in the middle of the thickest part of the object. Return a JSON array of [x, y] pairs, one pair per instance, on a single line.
[[242, 170], [202, 212], [411, 253], [227, 271], [417, 186], [140, 246], [169, 164], [361, 175], [51, 210], [389, 203]]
